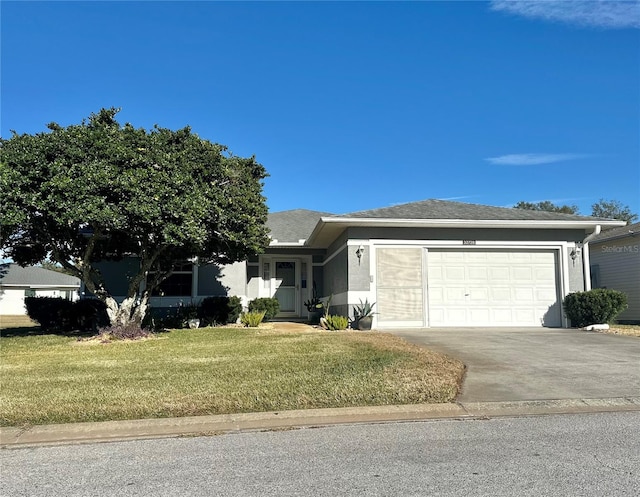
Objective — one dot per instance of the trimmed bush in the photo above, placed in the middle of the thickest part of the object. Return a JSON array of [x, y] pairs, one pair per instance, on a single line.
[[219, 310], [58, 314], [270, 306], [52, 313], [252, 319], [597, 306], [90, 314]]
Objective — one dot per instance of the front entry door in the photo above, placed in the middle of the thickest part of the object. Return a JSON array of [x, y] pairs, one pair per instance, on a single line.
[[287, 289]]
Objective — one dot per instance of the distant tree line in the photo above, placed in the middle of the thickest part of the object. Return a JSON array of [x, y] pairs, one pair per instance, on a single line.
[[609, 209]]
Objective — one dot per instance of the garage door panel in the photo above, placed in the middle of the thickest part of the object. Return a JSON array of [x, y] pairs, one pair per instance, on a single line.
[[522, 273], [454, 294], [455, 273], [500, 294], [477, 294], [501, 316], [456, 315], [523, 295], [480, 315], [478, 273], [499, 273], [542, 273], [434, 273]]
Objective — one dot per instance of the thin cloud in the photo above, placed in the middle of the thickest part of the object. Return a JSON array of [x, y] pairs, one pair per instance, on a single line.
[[532, 159], [609, 14], [458, 198]]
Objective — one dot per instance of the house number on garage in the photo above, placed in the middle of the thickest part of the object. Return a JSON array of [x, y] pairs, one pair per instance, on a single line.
[[468, 242]]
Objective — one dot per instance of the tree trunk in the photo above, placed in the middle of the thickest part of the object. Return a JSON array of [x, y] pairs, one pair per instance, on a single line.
[[131, 311]]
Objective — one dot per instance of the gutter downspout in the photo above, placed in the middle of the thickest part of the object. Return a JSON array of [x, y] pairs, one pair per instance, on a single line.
[[585, 257]]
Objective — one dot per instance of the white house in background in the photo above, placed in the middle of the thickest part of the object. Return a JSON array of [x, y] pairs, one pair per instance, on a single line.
[[18, 282], [425, 264], [615, 264]]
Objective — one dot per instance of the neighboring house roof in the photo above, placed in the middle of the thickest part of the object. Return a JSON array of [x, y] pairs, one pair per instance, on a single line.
[[35, 277], [292, 226], [622, 232]]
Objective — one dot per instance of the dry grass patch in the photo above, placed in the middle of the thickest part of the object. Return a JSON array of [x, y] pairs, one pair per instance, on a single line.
[[632, 330], [46, 379], [16, 322]]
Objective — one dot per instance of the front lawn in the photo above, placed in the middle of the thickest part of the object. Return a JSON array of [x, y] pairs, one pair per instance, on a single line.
[[54, 379]]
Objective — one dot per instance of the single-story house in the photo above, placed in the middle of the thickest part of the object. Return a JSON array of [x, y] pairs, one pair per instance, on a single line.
[[18, 282], [615, 264], [425, 264]]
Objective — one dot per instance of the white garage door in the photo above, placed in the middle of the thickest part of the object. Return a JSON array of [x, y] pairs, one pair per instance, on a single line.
[[492, 288]]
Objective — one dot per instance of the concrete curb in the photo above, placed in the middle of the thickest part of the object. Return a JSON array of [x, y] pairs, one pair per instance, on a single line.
[[109, 431]]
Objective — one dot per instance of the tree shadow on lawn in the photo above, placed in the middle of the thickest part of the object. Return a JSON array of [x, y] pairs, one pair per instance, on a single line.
[[29, 331]]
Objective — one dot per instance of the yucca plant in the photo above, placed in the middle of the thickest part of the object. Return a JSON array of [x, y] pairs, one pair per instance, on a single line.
[[334, 323], [252, 319]]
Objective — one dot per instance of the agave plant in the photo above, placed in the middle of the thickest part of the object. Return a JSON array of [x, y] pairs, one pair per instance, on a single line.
[[365, 309]]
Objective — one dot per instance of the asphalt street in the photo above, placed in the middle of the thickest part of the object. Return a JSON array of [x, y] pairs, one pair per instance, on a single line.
[[579, 454]]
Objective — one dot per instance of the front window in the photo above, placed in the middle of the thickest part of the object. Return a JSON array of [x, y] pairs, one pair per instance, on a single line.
[[178, 284]]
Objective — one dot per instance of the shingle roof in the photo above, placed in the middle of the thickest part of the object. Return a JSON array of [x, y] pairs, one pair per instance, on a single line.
[[293, 225], [32, 276], [443, 209], [629, 230]]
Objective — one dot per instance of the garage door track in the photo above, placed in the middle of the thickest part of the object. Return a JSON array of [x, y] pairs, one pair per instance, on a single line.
[[506, 364]]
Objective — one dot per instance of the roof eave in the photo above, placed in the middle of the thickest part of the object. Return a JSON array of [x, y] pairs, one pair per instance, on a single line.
[[345, 222]]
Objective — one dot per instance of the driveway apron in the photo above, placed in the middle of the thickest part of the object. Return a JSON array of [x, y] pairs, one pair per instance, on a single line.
[[508, 364]]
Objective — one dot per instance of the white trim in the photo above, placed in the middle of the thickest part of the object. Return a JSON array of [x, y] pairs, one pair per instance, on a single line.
[[471, 223], [43, 287], [302, 294], [276, 243], [460, 244], [586, 267]]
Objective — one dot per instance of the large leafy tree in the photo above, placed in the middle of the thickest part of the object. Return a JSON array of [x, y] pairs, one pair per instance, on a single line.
[[100, 191], [613, 209], [548, 206]]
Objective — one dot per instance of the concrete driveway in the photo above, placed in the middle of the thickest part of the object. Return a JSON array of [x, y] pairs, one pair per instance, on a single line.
[[537, 363]]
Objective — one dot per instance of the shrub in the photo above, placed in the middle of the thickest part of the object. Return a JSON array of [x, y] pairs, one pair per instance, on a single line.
[[594, 307], [90, 314], [127, 332], [52, 313], [334, 322], [219, 310], [270, 306], [58, 314], [252, 319]]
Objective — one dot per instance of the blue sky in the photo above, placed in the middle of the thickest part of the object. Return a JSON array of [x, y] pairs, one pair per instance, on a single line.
[[352, 106]]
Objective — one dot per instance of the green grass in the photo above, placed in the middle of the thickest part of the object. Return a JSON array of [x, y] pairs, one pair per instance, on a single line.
[[55, 379]]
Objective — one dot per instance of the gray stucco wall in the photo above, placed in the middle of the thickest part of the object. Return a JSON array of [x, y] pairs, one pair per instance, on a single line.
[[359, 278], [214, 280], [253, 283], [467, 234], [335, 274], [576, 272]]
